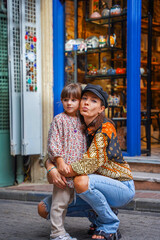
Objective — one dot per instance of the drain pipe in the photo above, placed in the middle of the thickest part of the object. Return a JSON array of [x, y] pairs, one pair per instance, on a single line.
[[19, 169]]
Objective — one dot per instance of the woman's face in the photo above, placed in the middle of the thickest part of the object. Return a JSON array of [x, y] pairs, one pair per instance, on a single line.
[[90, 107]]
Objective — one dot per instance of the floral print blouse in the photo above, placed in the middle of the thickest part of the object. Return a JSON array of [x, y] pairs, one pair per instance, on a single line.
[[66, 140]]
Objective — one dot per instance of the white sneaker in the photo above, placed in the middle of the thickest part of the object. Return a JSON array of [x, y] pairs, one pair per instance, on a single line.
[[64, 237]]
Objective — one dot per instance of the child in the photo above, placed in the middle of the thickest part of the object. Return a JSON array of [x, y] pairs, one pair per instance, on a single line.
[[66, 144]]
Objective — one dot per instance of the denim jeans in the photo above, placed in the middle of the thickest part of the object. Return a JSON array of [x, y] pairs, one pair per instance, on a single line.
[[104, 193], [95, 204]]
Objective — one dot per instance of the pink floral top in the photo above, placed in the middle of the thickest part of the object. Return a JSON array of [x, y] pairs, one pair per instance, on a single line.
[[65, 139]]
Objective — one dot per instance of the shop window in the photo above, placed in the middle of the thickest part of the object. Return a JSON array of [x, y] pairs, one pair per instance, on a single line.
[[95, 52]]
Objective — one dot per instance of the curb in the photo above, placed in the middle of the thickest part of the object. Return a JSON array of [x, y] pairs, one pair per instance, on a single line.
[[137, 204], [19, 195], [144, 204]]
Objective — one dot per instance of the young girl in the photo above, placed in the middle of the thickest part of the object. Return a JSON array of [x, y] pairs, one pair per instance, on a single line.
[[66, 144]]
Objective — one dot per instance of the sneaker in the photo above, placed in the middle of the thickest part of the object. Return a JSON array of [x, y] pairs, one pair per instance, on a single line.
[[64, 237]]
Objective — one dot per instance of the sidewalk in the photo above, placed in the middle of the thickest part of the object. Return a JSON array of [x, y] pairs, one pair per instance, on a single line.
[[143, 200]]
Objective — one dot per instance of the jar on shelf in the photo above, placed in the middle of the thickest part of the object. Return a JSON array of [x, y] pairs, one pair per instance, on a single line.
[[115, 10], [105, 12]]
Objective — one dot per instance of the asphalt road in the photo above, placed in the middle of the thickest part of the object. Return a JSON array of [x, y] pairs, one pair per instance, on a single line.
[[20, 221]]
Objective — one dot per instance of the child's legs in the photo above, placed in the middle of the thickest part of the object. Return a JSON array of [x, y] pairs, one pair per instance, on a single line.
[[78, 208], [60, 201]]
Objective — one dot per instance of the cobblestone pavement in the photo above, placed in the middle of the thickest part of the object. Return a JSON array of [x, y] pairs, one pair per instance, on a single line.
[[20, 221]]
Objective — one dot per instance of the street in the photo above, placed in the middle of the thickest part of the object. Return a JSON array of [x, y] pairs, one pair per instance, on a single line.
[[20, 221]]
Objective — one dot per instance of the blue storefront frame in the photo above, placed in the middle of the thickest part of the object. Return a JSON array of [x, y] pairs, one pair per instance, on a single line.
[[58, 53], [133, 77], [133, 68]]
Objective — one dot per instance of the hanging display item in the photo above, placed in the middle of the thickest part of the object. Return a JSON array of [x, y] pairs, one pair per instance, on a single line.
[[31, 66]]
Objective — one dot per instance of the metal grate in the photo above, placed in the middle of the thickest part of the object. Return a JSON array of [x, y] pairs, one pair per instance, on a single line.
[[15, 9], [3, 45], [30, 11], [4, 86], [16, 59]]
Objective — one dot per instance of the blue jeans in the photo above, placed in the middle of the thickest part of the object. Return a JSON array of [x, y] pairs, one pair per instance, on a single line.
[[104, 193], [95, 204]]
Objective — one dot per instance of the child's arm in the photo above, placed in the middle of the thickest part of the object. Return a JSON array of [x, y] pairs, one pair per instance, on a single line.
[[62, 167]]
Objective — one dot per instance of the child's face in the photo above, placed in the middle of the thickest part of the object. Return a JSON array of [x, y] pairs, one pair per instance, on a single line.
[[70, 105]]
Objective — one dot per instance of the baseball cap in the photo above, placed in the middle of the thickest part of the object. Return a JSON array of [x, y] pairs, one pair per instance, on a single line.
[[98, 91]]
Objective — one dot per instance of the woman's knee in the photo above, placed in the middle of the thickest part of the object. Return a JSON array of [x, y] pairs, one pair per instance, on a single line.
[[42, 210], [81, 183]]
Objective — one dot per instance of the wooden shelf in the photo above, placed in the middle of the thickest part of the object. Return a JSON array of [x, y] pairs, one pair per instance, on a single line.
[[152, 88], [155, 25], [108, 19], [119, 59], [142, 89], [105, 76], [153, 63]]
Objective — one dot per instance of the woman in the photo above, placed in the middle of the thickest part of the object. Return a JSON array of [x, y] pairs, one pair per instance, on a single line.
[[102, 178]]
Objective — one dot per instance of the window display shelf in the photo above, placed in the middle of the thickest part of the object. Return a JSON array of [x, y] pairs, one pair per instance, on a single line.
[[115, 106], [111, 23], [152, 88], [153, 63], [144, 75], [143, 89], [103, 49], [108, 19], [105, 76], [95, 50]]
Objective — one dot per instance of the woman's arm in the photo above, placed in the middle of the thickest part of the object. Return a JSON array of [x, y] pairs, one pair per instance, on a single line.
[[92, 159], [54, 177]]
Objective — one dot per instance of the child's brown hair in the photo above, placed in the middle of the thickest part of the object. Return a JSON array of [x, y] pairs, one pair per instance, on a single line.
[[71, 90]]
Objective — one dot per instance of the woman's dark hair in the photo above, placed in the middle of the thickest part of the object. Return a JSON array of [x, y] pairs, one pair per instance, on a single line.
[[71, 90]]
